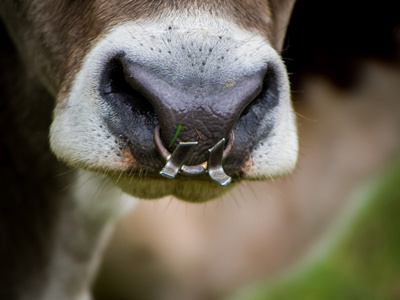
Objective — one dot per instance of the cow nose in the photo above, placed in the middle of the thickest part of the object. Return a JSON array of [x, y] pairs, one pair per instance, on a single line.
[[203, 112]]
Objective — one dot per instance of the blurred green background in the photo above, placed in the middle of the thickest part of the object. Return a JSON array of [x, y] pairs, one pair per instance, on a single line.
[[359, 260]]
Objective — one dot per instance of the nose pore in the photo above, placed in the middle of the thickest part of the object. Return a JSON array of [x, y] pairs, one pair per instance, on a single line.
[[204, 114]]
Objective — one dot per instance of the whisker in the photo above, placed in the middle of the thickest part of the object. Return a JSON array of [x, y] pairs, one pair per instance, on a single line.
[[304, 117]]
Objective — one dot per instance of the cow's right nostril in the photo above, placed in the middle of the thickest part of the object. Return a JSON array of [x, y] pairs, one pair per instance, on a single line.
[[128, 113], [115, 85]]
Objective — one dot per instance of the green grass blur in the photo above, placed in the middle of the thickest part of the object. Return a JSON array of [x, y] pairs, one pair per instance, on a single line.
[[360, 261]]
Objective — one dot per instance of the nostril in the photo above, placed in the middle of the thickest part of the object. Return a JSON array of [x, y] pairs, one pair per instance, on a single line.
[[264, 98], [114, 84], [253, 102], [127, 113]]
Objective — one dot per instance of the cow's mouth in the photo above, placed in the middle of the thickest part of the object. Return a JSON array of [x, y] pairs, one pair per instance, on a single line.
[[195, 189]]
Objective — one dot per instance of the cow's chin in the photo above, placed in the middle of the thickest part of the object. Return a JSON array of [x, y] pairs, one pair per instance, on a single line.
[[190, 190]]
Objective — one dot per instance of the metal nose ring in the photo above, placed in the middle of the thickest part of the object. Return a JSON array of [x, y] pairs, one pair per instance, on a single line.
[[175, 162]]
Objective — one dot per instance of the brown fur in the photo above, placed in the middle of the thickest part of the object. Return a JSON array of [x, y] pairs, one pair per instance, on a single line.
[[53, 36]]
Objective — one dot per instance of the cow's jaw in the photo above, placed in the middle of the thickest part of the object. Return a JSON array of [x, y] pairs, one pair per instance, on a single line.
[[200, 53]]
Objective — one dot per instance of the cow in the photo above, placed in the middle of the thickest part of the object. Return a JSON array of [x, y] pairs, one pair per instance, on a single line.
[[100, 98]]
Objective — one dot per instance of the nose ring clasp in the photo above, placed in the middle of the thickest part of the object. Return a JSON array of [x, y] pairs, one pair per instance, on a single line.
[[175, 162]]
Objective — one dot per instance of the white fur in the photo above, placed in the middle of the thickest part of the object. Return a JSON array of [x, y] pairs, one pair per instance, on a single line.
[[277, 154], [76, 136]]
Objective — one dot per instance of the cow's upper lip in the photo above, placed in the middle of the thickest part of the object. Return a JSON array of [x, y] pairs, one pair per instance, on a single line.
[[193, 189]]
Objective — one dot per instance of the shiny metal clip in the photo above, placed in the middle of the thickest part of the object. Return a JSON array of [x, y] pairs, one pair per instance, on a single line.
[[175, 162]]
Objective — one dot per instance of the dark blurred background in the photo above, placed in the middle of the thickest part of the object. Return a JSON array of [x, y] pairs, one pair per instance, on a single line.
[[333, 38]]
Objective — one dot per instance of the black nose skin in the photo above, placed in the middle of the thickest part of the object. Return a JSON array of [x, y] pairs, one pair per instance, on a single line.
[[207, 113]]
